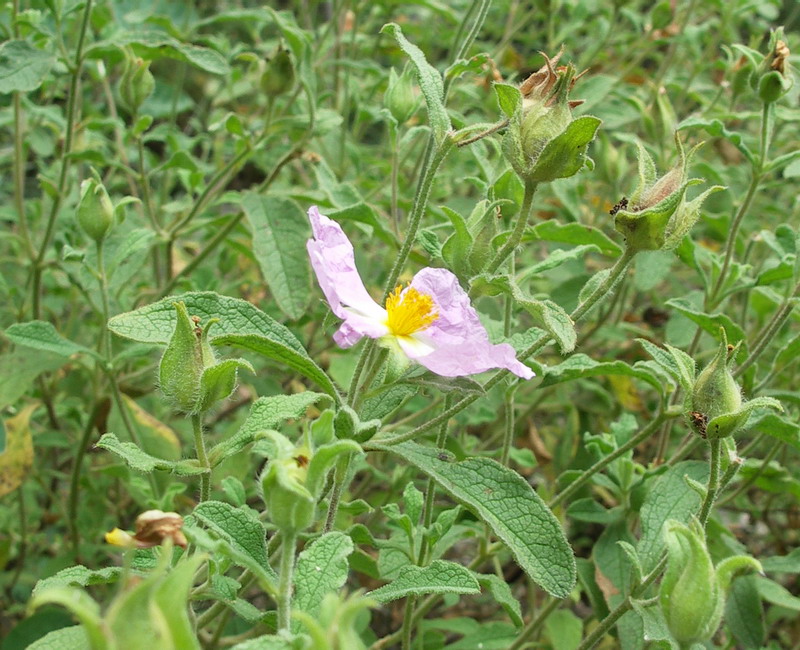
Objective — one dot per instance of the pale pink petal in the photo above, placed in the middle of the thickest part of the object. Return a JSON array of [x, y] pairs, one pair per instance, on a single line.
[[460, 343], [333, 261]]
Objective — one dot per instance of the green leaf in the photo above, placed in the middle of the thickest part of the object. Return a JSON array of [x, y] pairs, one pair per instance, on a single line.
[[169, 599], [509, 97], [580, 366], [508, 504], [280, 230], [66, 638], [78, 576], [709, 322], [547, 314], [20, 369], [564, 630], [219, 381], [501, 592], [572, 233], [717, 129], [456, 250], [226, 548], [266, 413], [282, 641], [430, 82], [439, 577], [155, 45], [141, 461], [728, 423], [22, 66], [81, 605], [669, 498], [41, 335], [564, 155], [239, 527], [321, 569], [241, 325], [744, 615], [776, 594]]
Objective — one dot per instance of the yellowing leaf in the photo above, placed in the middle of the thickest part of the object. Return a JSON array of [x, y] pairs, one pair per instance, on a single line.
[[163, 439], [16, 460], [626, 393]]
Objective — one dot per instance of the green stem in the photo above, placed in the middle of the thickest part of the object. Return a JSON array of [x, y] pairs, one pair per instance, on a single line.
[[202, 458], [535, 625], [713, 481], [767, 335], [339, 478], [608, 622], [420, 203], [604, 289], [519, 229], [74, 483], [355, 381], [375, 366], [408, 617], [211, 188], [601, 464], [755, 180], [72, 101], [23, 540], [430, 492], [508, 425], [285, 579]]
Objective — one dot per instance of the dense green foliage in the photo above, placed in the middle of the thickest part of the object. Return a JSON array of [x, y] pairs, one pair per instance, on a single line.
[[613, 185]]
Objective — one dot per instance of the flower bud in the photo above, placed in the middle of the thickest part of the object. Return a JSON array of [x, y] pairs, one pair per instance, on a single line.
[[278, 78], [715, 391], [136, 84], [290, 505], [657, 216], [95, 210], [692, 592], [400, 98], [543, 142], [187, 355], [772, 79], [689, 595]]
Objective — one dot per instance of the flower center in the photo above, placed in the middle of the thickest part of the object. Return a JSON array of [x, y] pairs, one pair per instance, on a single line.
[[409, 311]]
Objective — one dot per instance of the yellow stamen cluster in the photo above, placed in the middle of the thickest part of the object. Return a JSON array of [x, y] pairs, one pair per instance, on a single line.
[[409, 311]]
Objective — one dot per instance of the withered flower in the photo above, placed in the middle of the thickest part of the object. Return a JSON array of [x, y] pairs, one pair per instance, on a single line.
[[152, 528]]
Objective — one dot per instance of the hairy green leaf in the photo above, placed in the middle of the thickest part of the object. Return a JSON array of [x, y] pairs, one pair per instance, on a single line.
[[508, 504]]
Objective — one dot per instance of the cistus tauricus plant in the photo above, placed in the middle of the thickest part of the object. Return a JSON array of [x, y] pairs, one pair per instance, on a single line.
[[371, 325]]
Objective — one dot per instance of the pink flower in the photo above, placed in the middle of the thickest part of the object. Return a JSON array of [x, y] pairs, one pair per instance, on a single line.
[[430, 320]]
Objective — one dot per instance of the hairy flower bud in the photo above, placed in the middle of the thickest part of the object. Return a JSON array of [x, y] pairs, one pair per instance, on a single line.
[[400, 98], [136, 84], [692, 592], [689, 596], [657, 216], [278, 78], [189, 375], [543, 142], [95, 210]]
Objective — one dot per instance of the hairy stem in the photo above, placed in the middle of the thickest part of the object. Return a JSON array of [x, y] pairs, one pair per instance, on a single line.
[[202, 458], [285, 579], [519, 229], [713, 481], [601, 464]]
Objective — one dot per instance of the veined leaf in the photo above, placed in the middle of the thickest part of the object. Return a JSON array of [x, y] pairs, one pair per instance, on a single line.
[[508, 504], [439, 577]]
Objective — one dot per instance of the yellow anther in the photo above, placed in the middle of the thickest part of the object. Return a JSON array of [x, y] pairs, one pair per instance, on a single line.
[[409, 311]]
